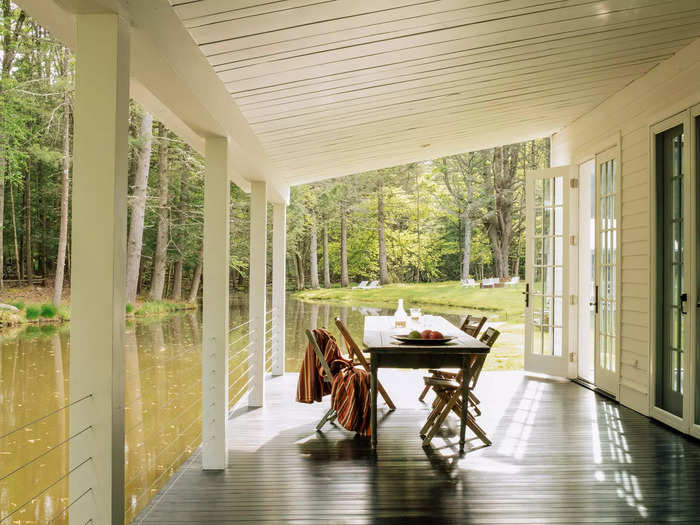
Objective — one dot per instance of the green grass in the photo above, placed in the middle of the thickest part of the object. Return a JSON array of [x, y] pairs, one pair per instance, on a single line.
[[446, 294], [48, 311], [18, 304], [504, 308], [129, 308], [151, 308], [33, 312]]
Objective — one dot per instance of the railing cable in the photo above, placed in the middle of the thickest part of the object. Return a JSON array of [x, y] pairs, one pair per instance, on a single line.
[[46, 416]]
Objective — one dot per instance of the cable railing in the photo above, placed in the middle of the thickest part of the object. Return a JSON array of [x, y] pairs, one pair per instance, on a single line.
[[37, 461]]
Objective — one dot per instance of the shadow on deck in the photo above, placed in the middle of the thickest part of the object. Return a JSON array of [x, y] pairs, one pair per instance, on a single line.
[[561, 454]]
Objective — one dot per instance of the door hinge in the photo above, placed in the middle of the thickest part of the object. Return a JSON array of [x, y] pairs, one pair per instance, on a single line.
[[573, 183], [572, 357], [572, 240], [572, 299]]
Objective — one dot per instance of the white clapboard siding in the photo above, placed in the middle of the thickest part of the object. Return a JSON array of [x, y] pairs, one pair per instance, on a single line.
[[669, 88], [341, 87]]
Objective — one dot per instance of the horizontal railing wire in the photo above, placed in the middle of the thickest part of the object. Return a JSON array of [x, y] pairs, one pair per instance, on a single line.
[[167, 469], [64, 476], [76, 500], [178, 396], [238, 327], [39, 419], [48, 451], [242, 390], [160, 452]]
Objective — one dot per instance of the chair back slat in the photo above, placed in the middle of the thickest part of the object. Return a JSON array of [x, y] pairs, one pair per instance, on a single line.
[[327, 376], [472, 325], [489, 336], [353, 350]]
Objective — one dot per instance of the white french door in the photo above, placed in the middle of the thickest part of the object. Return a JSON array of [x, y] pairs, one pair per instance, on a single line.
[[546, 271], [605, 292]]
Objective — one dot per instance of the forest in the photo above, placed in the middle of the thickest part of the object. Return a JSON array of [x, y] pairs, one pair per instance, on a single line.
[[442, 219]]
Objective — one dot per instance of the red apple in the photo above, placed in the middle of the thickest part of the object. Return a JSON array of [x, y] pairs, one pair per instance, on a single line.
[[425, 334], [436, 335]]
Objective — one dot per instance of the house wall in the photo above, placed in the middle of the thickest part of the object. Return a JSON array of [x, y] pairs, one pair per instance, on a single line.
[[671, 87]]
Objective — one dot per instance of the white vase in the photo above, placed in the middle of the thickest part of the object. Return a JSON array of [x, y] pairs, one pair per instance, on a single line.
[[400, 316]]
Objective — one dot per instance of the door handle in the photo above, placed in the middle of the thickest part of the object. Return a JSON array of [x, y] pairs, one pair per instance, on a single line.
[[526, 293], [595, 301], [684, 299]]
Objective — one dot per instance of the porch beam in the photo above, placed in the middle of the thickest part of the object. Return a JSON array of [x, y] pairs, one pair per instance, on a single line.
[[215, 305], [257, 292], [279, 274], [98, 281]]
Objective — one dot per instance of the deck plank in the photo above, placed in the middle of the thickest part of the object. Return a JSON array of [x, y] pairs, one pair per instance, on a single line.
[[561, 454]]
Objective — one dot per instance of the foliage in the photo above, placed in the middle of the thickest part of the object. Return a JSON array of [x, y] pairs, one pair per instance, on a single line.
[[129, 308], [48, 311], [19, 304], [32, 312], [150, 308]]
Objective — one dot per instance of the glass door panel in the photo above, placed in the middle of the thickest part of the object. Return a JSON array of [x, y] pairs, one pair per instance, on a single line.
[[586, 271], [670, 262], [546, 231], [605, 289]]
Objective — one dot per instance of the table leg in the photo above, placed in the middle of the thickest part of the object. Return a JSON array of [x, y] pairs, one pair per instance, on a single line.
[[465, 406], [373, 399]]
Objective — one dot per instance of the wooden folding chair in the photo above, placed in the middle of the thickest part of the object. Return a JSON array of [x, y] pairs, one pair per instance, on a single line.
[[472, 325], [358, 358], [330, 415], [449, 395]]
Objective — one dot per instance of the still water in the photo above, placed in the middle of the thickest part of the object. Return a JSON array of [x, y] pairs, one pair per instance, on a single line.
[[163, 402]]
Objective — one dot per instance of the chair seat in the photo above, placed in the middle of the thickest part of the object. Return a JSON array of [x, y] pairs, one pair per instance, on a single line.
[[442, 384]]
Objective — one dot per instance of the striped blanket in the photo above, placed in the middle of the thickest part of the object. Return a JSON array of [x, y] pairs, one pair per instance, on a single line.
[[350, 395]]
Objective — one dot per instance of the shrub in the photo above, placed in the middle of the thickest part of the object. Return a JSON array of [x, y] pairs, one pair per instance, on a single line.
[[48, 311], [129, 308], [19, 304], [32, 313]]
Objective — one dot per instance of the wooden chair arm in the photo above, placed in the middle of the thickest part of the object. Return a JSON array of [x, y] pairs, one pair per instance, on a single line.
[[443, 373]]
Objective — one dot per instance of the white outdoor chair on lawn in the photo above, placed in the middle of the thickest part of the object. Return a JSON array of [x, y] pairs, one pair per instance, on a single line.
[[373, 285], [513, 281], [361, 286], [469, 283]]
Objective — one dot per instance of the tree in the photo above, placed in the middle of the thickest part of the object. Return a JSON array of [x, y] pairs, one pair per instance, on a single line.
[[12, 27], [381, 233], [313, 252], [182, 202], [138, 206], [161, 253], [65, 190]]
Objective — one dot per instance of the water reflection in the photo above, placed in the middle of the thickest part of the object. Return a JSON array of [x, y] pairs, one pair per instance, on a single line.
[[163, 401]]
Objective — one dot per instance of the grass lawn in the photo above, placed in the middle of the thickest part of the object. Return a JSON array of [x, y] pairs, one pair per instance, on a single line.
[[504, 308]]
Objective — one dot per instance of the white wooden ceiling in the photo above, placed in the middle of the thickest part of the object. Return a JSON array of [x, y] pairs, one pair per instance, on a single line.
[[332, 87]]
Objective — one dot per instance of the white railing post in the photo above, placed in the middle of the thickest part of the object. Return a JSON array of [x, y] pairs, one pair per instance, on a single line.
[[257, 287], [98, 277], [279, 285], [215, 310]]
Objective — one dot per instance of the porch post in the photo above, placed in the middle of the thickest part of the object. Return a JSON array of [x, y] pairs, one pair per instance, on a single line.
[[257, 288], [215, 309], [98, 279], [279, 285]]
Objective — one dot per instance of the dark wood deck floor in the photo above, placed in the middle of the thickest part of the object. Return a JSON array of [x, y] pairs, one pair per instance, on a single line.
[[561, 454]]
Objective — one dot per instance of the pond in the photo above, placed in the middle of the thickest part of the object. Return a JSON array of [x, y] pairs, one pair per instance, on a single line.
[[163, 400]]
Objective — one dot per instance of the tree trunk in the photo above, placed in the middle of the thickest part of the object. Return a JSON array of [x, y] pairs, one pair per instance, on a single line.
[[196, 277], [313, 254], [299, 265], [344, 279], [161, 255], [10, 36], [65, 185], [29, 259], [177, 284], [138, 207], [18, 262], [326, 259], [383, 271], [467, 245]]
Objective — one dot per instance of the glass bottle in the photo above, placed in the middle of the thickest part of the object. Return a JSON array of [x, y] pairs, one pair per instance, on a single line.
[[400, 317]]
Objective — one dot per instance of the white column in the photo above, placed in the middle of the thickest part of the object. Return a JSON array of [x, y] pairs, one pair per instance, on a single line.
[[215, 309], [98, 277], [257, 286], [279, 285]]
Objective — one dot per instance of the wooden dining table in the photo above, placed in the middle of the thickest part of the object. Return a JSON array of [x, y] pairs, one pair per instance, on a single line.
[[387, 352]]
